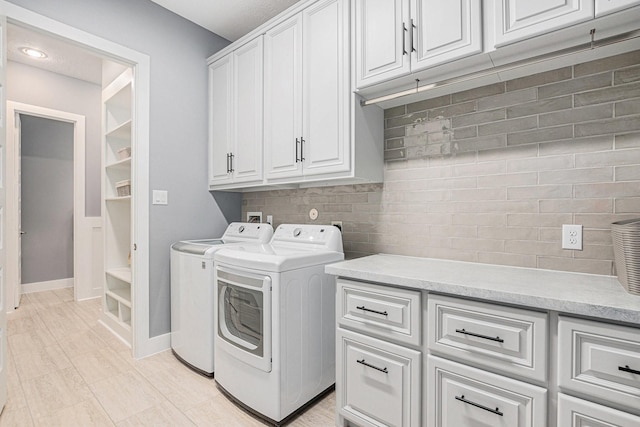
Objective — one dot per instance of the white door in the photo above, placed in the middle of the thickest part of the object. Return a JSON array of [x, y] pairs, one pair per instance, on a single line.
[[220, 110], [246, 154], [521, 19], [444, 30], [325, 95], [283, 99], [3, 198], [382, 40]]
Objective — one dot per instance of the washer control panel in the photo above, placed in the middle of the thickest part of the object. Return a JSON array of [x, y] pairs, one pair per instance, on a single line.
[[327, 236]]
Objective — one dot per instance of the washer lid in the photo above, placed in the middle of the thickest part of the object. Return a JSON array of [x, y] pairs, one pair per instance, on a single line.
[[275, 258], [236, 232]]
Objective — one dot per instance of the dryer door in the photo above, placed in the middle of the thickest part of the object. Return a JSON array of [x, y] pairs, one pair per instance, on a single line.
[[244, 316]]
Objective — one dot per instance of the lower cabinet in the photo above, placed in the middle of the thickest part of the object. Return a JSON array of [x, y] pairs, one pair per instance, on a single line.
[[574, 412], [377, 383], [461, 396]]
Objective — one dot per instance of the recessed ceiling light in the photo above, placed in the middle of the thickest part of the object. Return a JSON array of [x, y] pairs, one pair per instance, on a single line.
[[33, 53]]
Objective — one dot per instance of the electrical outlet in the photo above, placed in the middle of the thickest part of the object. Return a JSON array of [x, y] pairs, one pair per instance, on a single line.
[[572, 237]]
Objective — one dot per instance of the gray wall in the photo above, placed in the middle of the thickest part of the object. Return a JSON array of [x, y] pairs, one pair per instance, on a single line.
[[47, 199], [178, 130], [30, 85]]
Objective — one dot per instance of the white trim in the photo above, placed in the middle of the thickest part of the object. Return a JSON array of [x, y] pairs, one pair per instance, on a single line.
[[28, 288], [13, 233], [141, 70], [159, 344], [90, 258]]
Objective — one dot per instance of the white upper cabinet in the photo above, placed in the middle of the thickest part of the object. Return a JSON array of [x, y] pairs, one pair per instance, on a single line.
[[381, 28], [604, 7], [521, 19], [395, 37], [283, 99], [307, 94], [444, 30], [325, 93], [235, 123]]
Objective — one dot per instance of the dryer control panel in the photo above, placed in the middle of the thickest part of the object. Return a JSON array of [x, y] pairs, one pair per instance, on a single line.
[[325, 236]]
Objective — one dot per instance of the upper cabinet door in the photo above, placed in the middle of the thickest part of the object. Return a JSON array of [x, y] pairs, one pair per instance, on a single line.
[[326, 93], [283, 99], [444, 30], [604, 7], [381, 40], [246, 162], [521, 19], [220, 115]]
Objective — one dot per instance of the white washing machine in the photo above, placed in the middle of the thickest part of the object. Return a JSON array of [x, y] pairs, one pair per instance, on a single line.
[[192, 293], [275, 341]]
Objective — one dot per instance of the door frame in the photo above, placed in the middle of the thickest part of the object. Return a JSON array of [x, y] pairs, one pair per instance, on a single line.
[[13, 198], [143, 344]]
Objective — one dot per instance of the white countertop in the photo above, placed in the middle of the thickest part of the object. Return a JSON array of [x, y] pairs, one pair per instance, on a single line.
[[574, 293]]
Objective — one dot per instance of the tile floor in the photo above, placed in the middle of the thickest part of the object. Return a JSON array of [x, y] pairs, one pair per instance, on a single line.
[[66, 369]]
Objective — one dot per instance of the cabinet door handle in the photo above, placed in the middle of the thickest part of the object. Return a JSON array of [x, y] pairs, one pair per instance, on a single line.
[[413, 27], [231, 156], [477, 405], [404, 38], [363, 308], [626, 368], [297, 149], [362, 362], [302, 141], [228, 163], [473, 334]]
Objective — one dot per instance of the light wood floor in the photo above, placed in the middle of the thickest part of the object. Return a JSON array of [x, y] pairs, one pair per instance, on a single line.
[[65, 369]]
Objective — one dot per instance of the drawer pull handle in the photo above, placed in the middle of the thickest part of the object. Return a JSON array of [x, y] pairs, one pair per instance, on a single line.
[[473, 334], [626, 368], [362, 362], [363, 308], [477, 405]]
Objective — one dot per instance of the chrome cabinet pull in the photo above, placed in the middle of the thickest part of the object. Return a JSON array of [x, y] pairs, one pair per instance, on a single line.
[[363, 308], [302, 141], [362, 362], [473, 334], [404, 38], [477, 405], [231, 156], [228, 167], [413, 27], [626, 368], [297, 148]]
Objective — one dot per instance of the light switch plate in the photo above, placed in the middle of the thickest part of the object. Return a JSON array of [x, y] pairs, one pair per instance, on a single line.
[[160, 197]]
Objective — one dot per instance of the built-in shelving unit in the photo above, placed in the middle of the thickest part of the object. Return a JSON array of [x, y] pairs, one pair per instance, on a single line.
[[117, 143]]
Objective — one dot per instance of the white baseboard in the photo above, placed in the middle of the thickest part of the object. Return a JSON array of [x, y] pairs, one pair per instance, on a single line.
[[28, 288]]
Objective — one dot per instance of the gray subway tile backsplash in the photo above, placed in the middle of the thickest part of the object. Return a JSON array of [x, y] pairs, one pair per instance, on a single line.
[[491, 174]]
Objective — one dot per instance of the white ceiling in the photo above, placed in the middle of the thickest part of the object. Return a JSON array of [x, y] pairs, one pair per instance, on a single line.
[[230, 19]]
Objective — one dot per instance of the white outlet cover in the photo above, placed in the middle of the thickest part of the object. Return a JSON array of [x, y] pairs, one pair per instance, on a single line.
[[160, 197], [572, 236], [313, 214]]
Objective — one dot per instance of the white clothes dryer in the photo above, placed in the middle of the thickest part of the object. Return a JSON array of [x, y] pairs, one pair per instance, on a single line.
[[192, 293], [275, 340]]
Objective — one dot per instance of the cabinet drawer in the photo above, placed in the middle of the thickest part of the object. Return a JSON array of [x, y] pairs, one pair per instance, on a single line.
[[573, 412], [600, 360], [509, 339], [379, 382], [461, 396], [388, 313]]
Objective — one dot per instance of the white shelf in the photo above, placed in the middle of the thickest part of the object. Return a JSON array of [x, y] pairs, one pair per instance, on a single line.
[[120, 164], [122, 131], [118, 199], [123, 273], [121, 295]]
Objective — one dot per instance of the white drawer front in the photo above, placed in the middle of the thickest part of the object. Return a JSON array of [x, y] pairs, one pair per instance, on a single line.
[[573, 412], [601, 360], [382, 311], [380, 382], [505, 338], [461, 396]]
